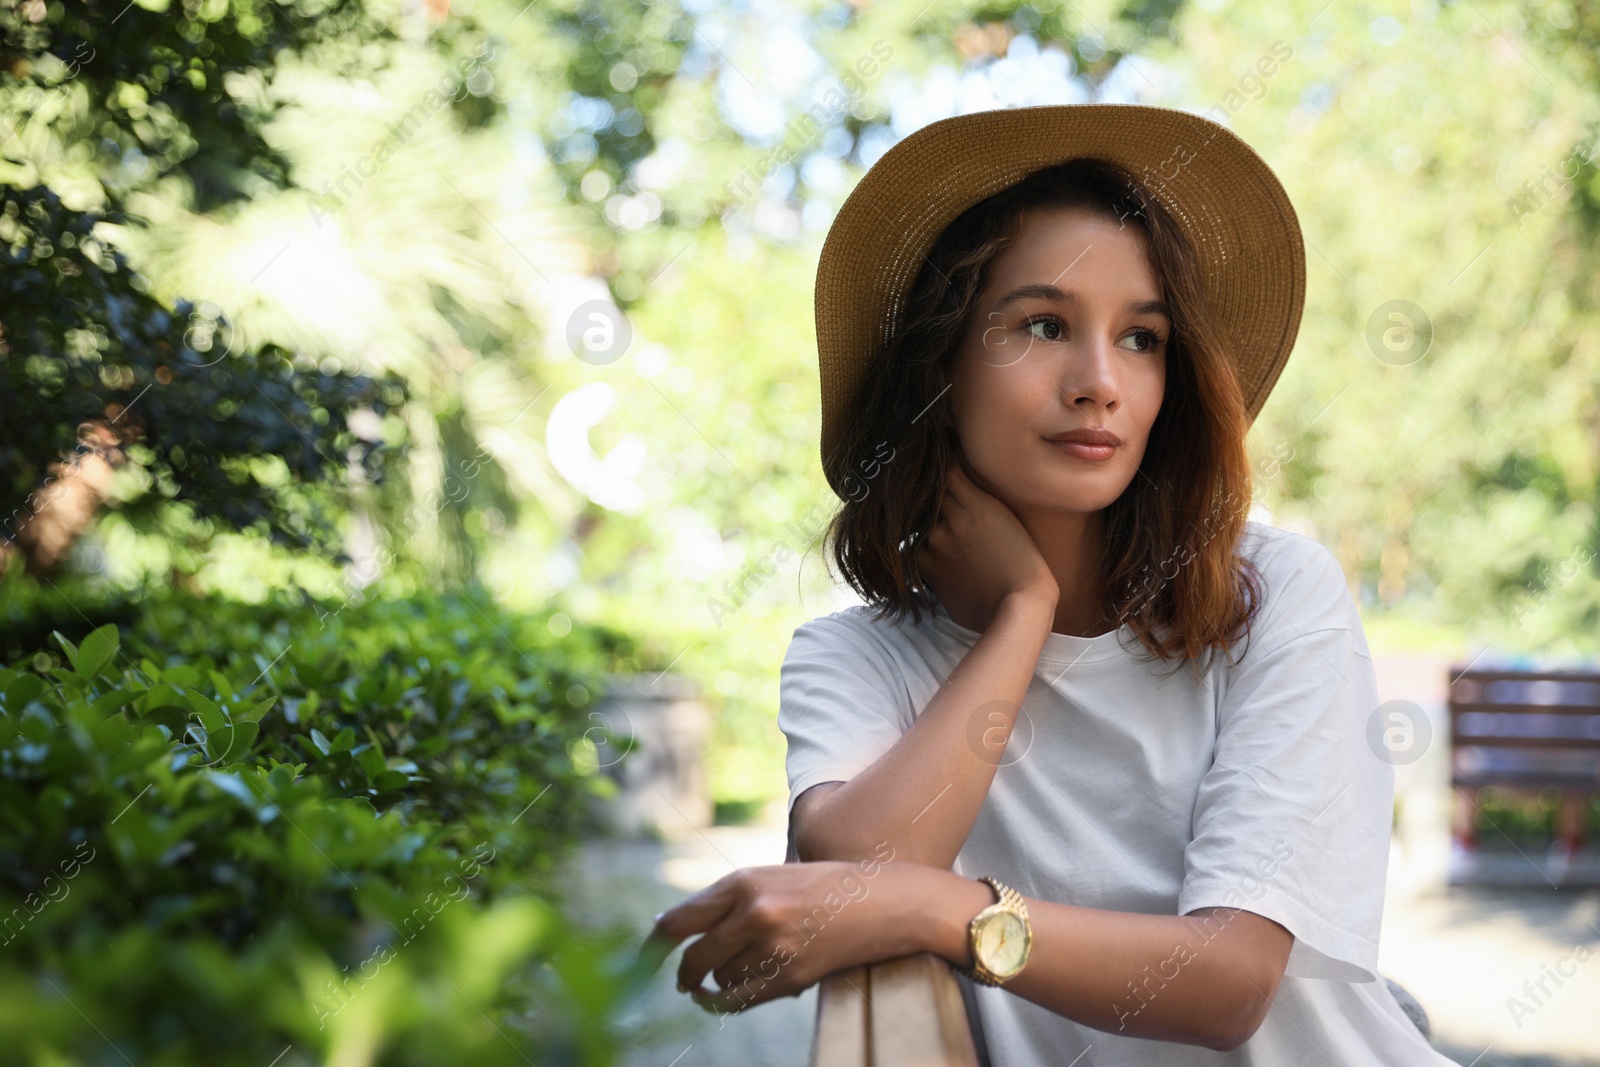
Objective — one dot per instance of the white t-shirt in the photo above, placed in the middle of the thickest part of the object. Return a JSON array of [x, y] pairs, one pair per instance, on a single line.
[[1126, 790]]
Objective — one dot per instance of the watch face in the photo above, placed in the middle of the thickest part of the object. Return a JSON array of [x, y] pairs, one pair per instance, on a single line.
[[1003, 944]]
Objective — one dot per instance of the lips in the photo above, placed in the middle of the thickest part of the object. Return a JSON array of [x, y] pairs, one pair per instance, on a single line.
[[1086, 436]]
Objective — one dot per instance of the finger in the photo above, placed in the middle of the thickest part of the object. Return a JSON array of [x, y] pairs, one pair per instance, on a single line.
[[724, 942], [738, 998], [722, 1003], [966, 483], [697, 914], [957, 486], [755, 977], [756, 968]]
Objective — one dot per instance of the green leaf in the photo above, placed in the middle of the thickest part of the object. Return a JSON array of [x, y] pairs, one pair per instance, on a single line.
[[255, 713], [220, 682], [69, 679], [71, 649], [243, 736], [97, 651], [343, 741], [234, 786], [371, 760], [181, 675], [320, 741], [391, 780], [115, 700], [161, 696], [201, 704], [22, 692]]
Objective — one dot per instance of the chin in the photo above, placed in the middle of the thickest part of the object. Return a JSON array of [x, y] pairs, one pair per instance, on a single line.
[[1021, 480], [1072, 493]]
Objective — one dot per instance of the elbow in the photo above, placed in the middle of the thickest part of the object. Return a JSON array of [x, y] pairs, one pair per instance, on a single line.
[[868, 858], [1251, 1005], [816, 842], [811, 847], [1231, 1034], [812, 841], [1232, 1039]]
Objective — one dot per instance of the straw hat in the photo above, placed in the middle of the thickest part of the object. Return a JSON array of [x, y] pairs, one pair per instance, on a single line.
[[1223, 196]]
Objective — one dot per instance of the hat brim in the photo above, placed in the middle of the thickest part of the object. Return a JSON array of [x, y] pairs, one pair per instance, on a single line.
[[1224, 197]]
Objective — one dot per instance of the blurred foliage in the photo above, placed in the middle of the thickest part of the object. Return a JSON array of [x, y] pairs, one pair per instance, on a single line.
[[620, 60], [145, 91], [234, 857], [92, 362], [1455, 478], [1519, 817]]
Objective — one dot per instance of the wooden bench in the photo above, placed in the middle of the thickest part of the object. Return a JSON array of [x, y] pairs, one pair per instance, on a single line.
[[900, 1013], [1525, 731]]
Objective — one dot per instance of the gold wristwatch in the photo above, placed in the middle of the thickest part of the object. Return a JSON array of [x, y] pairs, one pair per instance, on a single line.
[[999, 937]]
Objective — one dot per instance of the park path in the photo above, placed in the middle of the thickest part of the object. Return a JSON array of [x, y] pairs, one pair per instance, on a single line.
[[629, 881]]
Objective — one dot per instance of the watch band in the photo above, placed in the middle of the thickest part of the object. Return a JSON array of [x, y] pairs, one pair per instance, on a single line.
[[1009, 900]]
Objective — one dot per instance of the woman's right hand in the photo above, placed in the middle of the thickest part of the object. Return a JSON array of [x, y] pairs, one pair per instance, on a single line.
[[978, 554]]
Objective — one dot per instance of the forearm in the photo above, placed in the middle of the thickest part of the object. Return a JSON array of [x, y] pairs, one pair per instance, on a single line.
[[1194, 979], [923, 795]]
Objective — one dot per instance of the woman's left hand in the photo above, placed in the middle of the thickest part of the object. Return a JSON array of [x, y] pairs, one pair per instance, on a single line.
[[769, 932]]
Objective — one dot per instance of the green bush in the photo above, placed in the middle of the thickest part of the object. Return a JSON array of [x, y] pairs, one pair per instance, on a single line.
[[446, 704], [249, 831]]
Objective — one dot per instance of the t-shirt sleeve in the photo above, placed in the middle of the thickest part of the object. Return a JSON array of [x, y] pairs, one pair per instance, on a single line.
[[1292, 821], [842, 702]]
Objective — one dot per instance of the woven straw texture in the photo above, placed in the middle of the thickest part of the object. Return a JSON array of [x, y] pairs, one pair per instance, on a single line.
[[1226, 199]]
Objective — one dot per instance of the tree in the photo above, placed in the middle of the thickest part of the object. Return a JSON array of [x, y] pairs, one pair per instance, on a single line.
[[97, 373]]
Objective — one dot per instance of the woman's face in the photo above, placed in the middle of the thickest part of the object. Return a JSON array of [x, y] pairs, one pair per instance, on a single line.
[[1070, 333]]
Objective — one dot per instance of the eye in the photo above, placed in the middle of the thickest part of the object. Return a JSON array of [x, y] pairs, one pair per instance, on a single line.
[[1048, 328], [1150, 340]]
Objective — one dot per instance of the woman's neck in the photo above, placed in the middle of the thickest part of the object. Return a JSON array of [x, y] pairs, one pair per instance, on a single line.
[[1070, 543]]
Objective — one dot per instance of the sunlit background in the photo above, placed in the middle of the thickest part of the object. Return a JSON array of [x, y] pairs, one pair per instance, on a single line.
[[459, 371]]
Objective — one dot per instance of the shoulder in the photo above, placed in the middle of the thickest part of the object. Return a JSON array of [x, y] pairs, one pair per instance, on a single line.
[[851, 632], [858, 629], [1303, 584], [847, 663]]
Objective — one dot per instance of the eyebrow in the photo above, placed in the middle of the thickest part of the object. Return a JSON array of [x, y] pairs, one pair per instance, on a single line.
[[1049, 292]]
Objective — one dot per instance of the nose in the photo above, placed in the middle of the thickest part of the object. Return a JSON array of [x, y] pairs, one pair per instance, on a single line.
[[1089, 377]]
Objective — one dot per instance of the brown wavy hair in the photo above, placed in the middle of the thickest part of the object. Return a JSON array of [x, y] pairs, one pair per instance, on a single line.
[[1172, 575]]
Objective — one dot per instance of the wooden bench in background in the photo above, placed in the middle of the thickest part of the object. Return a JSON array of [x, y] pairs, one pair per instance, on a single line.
[[1526, 731], [900, 1013]]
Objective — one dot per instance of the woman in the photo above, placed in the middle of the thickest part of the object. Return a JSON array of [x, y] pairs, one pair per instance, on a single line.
[[1044, 333]]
